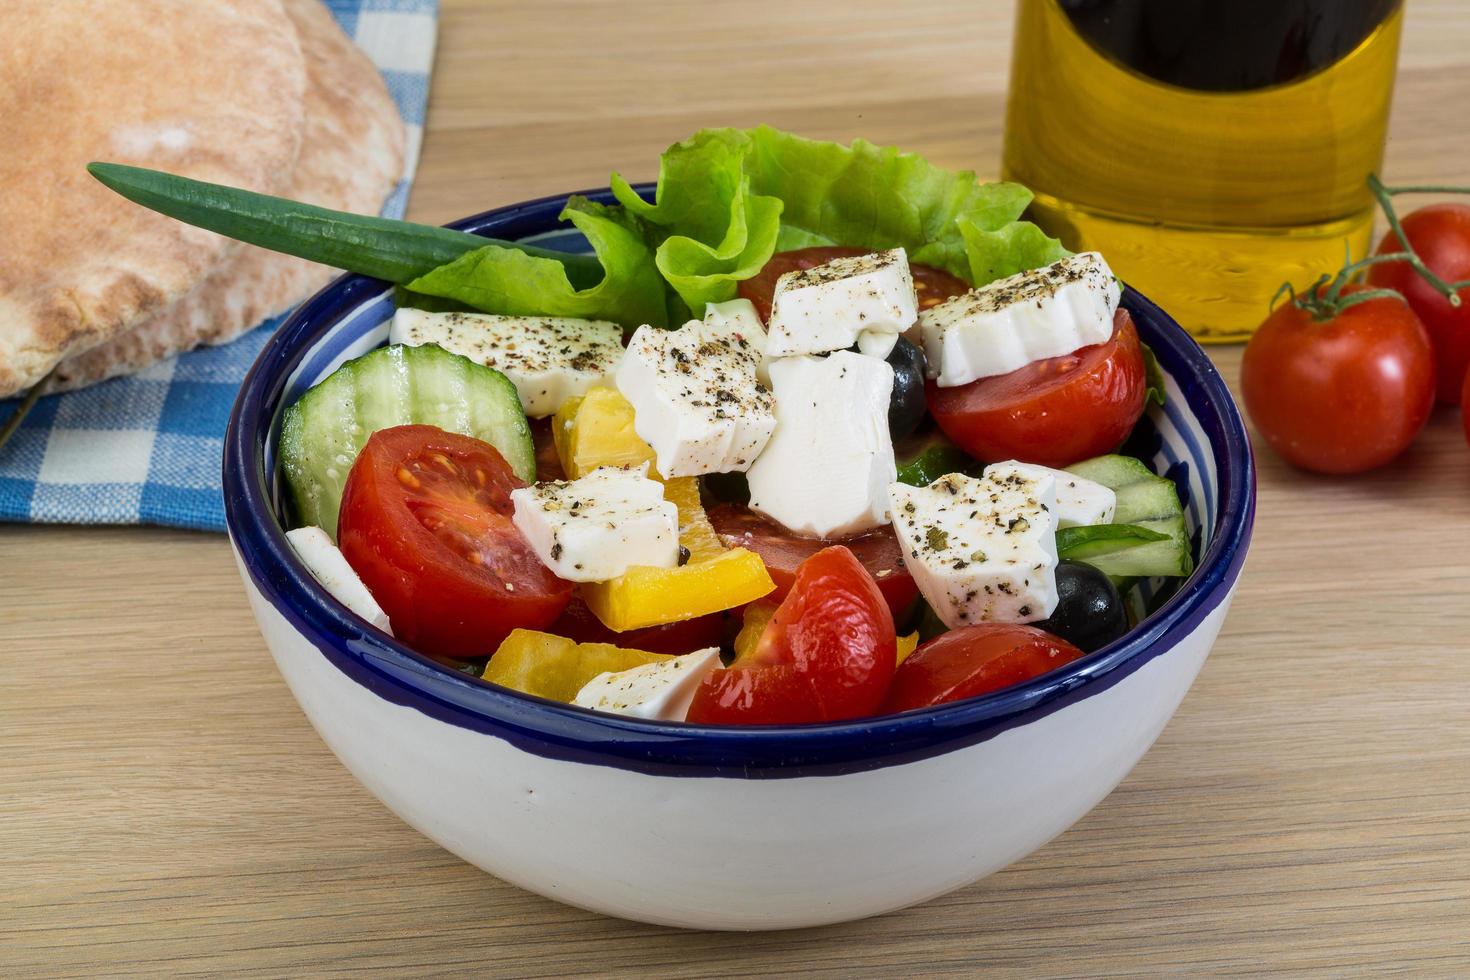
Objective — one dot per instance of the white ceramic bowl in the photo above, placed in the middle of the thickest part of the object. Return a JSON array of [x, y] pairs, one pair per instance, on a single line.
[[756, 828]]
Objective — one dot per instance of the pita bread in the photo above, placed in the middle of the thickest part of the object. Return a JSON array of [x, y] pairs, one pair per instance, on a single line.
[[351, 157], [208, 88]]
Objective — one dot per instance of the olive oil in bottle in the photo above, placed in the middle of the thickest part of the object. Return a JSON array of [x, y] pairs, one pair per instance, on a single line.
[[1211, 149]]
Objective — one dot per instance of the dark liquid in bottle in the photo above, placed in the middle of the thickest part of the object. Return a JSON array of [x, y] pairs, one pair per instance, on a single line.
[[1232, 46]]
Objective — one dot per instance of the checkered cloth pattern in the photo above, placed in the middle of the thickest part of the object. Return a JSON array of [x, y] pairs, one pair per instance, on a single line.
[[146, 449]]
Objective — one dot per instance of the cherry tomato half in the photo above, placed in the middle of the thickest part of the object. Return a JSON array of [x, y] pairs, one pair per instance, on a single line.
[[579, 623], [1440, 234], [932, 286], [1343, 395], [1056, 411], [784, 552], [975, 660], [828, 653], [425, 522]]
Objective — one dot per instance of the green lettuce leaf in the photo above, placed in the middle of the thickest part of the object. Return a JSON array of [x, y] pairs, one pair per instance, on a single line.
[[869, 196], [708, 228], [508, 281], [1154, 377]]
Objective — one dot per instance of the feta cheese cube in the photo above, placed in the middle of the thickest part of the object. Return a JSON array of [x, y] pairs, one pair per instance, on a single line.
[[596, 528], [659, 691], [739, 317], [695, 397], [831, 306], [1032, 315], [1080, 502], [827, 469], [981, 550], [548, 358], [329, 566]]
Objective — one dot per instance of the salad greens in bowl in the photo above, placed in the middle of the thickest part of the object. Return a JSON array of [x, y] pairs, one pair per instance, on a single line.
[[791, 540]]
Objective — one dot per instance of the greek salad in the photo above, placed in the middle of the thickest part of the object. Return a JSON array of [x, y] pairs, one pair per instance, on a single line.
[[834, 433]]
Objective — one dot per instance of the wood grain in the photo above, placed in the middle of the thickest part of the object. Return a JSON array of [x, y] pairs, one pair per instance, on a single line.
[[166, 809]]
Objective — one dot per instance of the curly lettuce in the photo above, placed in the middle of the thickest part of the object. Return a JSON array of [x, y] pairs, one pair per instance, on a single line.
[[727, 199]]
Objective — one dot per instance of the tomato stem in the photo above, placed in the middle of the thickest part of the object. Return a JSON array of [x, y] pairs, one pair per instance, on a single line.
[[1385, 201], [1325, 298]]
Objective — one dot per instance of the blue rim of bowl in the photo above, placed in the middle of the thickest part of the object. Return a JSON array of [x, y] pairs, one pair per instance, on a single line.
[[556, 731]]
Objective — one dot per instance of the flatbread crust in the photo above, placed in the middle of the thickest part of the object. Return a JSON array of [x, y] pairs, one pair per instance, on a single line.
[[208, 88], [351, 157]]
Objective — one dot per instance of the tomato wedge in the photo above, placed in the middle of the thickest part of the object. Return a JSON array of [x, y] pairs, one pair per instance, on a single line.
[[425, 522], [975, 660], [783, 552], [828, 653], [1055, 412], [932, 286]]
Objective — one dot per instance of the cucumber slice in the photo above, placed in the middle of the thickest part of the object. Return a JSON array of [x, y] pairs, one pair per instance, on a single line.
[[323, 432], [1148, 501]]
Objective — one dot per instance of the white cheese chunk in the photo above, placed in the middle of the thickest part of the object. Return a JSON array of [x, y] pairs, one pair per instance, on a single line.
[[695, 397], [317, 552], [999, 328], [1080, 503], [831, 306], [739, 316], [827, 469], [596, 528], [548, 358], [661, 691], [981, 550]]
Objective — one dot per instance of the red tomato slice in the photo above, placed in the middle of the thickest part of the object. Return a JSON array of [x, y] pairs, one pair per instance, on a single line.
[[425, 522], [783, 553], [975, 660], [577, 622], [1055, 412], [932, 286], [827, 654]]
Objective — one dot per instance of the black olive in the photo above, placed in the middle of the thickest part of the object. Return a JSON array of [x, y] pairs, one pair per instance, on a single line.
[[1090, 612], [906, 407]]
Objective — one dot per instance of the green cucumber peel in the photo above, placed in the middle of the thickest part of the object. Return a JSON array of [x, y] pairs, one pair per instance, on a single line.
[[1080, 543]]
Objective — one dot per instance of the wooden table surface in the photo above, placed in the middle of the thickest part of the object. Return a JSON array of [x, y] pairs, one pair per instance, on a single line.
[[165, 807]]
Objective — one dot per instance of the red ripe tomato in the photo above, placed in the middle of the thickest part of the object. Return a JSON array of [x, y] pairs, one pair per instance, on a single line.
[[784, 552], [827, 654], [425, 522], [1056, 411], [975, 660], [932, 286], [1440, 235], [1341, 395], [577, 622], [1465, 407]]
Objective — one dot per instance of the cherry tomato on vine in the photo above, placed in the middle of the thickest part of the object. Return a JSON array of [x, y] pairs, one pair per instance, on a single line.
[[1343, 389], [1440, 235]]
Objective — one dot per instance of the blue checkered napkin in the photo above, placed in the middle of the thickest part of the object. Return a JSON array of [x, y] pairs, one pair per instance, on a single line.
[[146, 449]]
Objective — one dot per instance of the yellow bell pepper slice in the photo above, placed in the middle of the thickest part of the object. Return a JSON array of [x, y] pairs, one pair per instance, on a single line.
[[907, 645], [597, 430], [757, 616], [555, 667], [645, 596]]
